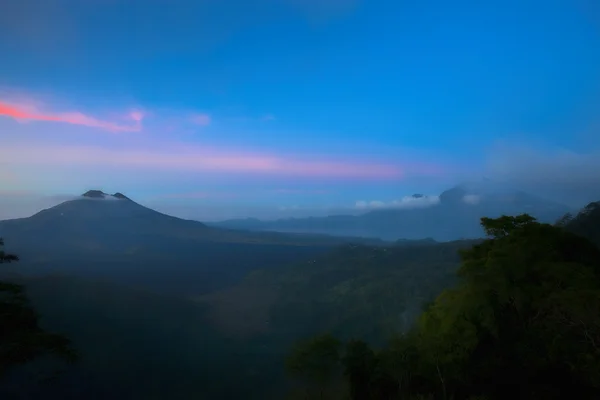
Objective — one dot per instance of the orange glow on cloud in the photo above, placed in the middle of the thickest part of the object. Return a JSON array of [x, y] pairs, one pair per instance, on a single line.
[[24, 113]]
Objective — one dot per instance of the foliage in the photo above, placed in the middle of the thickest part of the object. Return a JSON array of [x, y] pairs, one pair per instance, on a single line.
[[21, 338], [355, 291], [4, 257], [315, 361], [359, 291], [586, 223], [523, 321]]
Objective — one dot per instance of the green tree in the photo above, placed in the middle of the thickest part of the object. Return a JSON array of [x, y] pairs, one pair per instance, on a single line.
[[316, 363], [525, 314], [21, 338], [523, 321], [564, 220], [359, 363]]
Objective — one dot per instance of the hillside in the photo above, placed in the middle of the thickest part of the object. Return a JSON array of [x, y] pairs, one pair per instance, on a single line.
[[522, 321], [114, 238], [355, 290], [455, 216], [133, 345], [97, 220], [222, 303]]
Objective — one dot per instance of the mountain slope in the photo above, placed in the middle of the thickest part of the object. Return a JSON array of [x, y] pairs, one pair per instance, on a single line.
[[455, 216], [134, 345], [121, 221], [112, 237], [354, 290]]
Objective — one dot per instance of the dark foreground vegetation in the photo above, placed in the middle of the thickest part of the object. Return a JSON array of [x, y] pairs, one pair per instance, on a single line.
[[522, 322], [22, 340], [520, 319]]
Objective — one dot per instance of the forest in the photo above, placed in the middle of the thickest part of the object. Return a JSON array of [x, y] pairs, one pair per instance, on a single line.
[[523, 320], [515, 314]]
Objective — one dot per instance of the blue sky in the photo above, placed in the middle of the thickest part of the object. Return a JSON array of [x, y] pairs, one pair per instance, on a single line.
[[238, 107]]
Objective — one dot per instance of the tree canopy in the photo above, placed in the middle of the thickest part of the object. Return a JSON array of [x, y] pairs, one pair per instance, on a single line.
[[523, 321], [21, 338]]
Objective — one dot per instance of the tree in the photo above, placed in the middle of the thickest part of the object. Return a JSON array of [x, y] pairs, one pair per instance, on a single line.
[[6, 258], [526, 313], [359, 363], [587, 223], [21, 338], [523, 321], [564, 220], [316, 362], [502, 226]]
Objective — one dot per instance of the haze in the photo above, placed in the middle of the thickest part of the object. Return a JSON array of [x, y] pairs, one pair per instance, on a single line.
[[275, 108], [299, 199]]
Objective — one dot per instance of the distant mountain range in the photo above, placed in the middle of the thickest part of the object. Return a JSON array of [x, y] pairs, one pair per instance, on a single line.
[[100, 235], [97, 219], [110, 235], [254, 292], [455, 214]]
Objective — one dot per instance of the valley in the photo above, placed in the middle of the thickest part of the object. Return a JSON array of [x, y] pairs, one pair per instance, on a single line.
[[179, 307]]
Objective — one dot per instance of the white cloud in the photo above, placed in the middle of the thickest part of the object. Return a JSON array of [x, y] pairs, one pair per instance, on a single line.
[[407, 202]]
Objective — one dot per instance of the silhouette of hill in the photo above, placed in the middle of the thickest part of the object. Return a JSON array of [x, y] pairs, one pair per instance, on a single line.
[[455, 216], [97, 218], [99, 235]]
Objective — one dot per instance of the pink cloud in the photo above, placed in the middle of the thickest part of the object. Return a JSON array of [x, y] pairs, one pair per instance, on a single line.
[[22, 112], [136, 115], [201, 159], [201, 119]]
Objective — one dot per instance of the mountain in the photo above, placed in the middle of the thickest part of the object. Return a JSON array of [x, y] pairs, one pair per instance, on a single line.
[[97, 219], [455, 216], [235, 303], [99, 235], [117, 278]]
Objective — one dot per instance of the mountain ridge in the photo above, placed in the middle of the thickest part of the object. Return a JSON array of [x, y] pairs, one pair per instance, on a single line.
[[122, 221], [455, 216], [132, 244]]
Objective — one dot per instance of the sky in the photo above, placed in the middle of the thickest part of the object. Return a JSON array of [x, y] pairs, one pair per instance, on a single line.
[[215, 109]]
